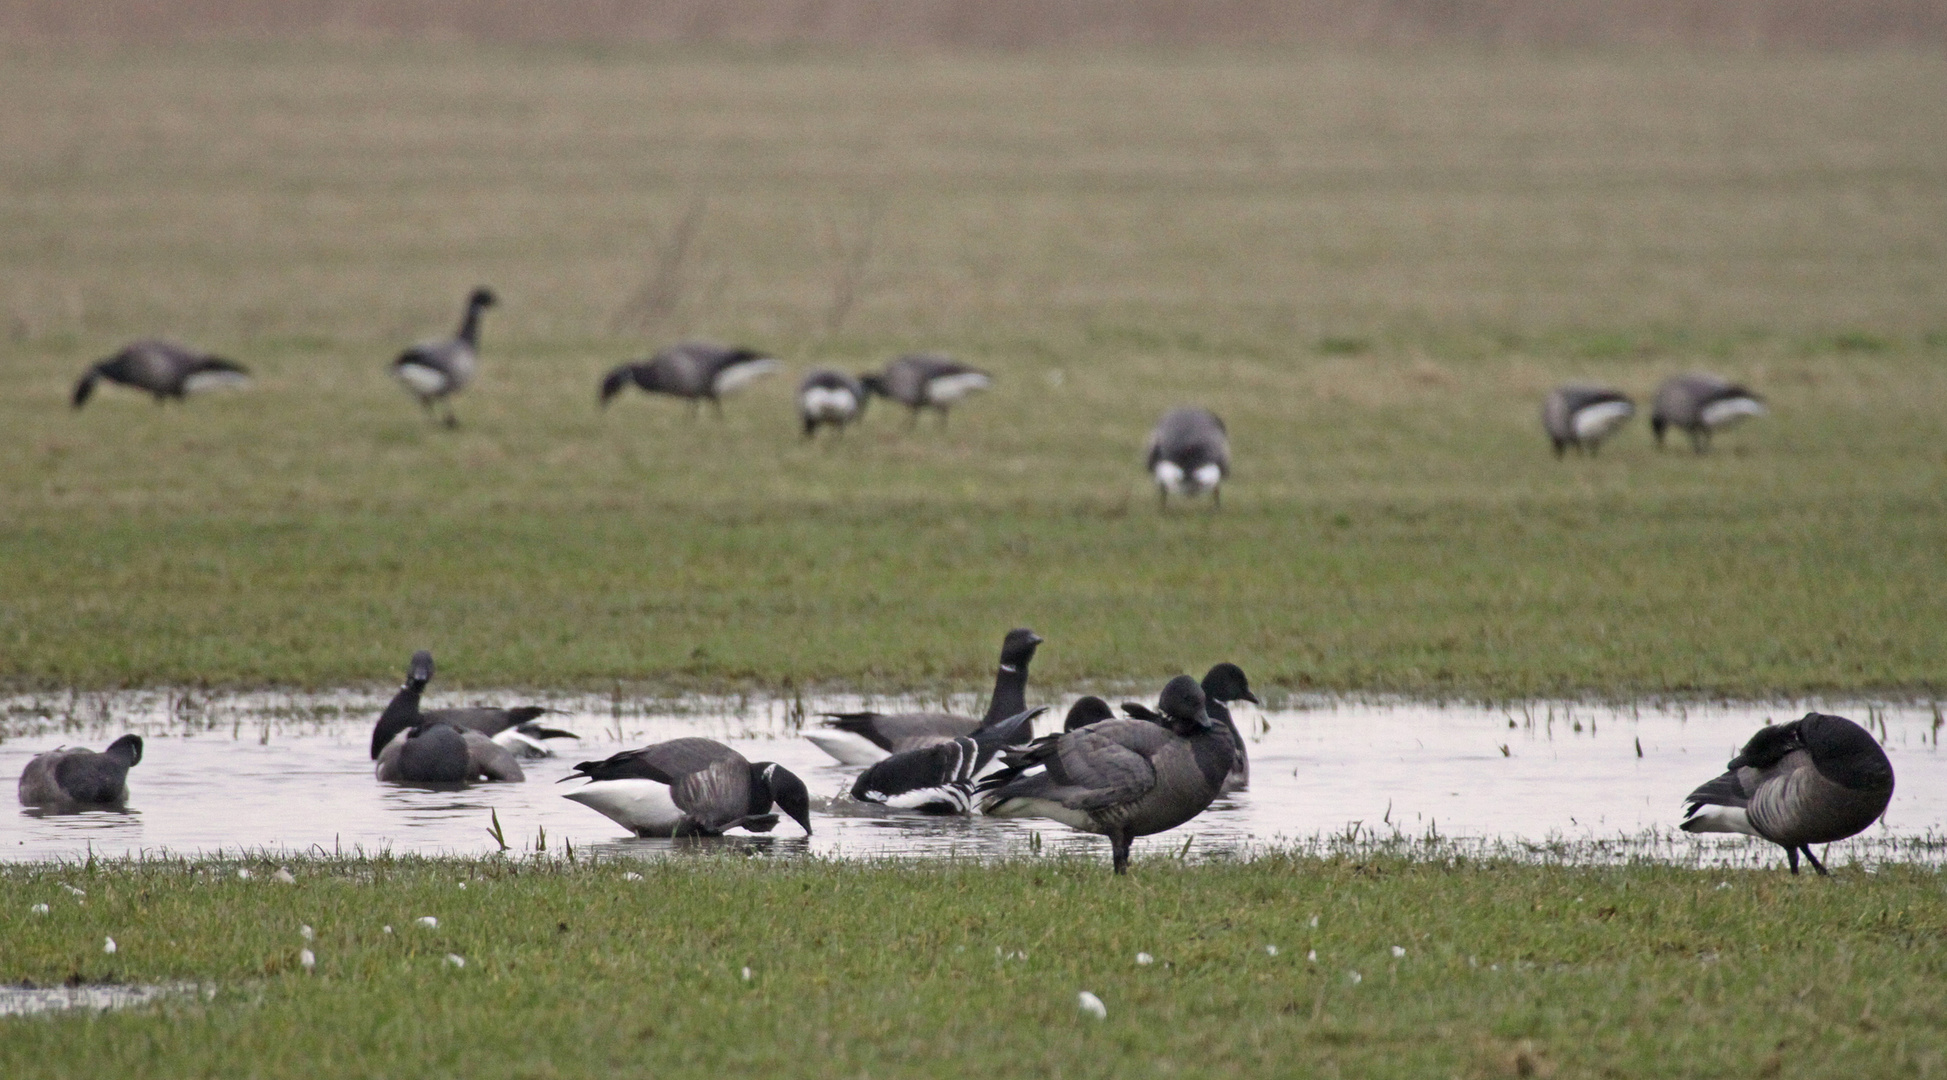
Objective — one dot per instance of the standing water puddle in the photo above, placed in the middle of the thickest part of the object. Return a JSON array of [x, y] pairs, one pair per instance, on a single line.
[[291, 773]]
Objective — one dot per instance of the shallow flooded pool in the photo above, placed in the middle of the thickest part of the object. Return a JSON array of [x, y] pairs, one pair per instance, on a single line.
[[290, 773]]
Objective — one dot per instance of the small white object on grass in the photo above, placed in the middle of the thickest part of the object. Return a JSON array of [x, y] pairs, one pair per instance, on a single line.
[[284, 876], [388, 929], [1355, 977], [456, 960], [1270, 950], [243, 874], [1145, 959], [1314, 922], [307, 958], [632, 876], [462, 884], [1311, 957], [39, 909], [75, 891], [1092, 1005], [746, 974], [1398, 952], [428, 922], [109, 947], [306, 932]]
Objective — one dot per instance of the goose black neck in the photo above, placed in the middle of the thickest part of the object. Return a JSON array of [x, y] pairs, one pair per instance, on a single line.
[[470, 326], [401, 713], [1010, 692]]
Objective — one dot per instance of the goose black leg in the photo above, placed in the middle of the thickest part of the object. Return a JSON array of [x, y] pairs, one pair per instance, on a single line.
[[1816, 865], [1792, 854], [1119, 850]]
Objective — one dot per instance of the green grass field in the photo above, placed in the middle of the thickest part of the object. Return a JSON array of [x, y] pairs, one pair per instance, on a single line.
[[1373, 265]]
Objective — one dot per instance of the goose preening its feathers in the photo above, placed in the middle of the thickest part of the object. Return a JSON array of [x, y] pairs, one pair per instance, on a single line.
[[1189, 454], [695, 371], [1700, 404], [1813, 781], [939, 779], [691, 787], [163, 368], [829, 397], [491, 739], [436, 370], [927, 381], [1120, 778], [1583, 416], [866, 738], [74, 778]]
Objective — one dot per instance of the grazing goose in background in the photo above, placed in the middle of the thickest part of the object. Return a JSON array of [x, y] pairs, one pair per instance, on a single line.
[[926, 381], [436, 370], [1699, 404], [514, 730], [163, 368], [691, 787], [75, 778], [866, 738], [1813, 781], [696, 371], [939, 779], [1089, 710], [1119, 778], [1583, 416], [829, 397], [1189, 454]]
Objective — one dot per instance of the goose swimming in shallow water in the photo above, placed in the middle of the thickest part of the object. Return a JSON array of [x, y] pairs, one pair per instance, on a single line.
[[1698, 405], [74, 778], [436, 370], [513, 731], [939, 779], [1189, 454], [436, 752], [865, 738], [691, 787], [927, 381], [1223, 684], [163, 368], [1815, 780], [695, 371], [829, 397], [1087, 710], [1583, 416]]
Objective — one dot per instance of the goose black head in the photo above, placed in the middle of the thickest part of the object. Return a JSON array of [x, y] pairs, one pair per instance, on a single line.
[[1182, 706], [1845, 753], [789, 793], [482, 297], [1768, 747], [1018, 647], [873, 383], [127, 750], [419, 671], [1089, 710], [1226, 682]]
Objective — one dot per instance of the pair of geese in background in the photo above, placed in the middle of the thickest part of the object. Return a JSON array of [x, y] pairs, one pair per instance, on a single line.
[[1696, 404]]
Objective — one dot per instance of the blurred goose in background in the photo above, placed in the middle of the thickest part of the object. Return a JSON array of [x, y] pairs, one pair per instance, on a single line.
[[436, 370], [829, 397], [695, 371], [1583, 416], [926, 381], [1189, 454], [1119, 778], [1815, 780], [1088, 710], [514, 730], [1699, 404], [73, 778], [866, 738], [939, 779], [691, 787], [163, 368]]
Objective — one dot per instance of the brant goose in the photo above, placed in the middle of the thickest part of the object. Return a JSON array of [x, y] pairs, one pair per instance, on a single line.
[[515, 730], [1698, 405], [926, 381], [1189, 454], [695, 371], [865, 738], [691, 787], [939, 779], [73, 778], [1813, 781], [1223, 684], [436, 370], [829, 397], [1089, 710], [163, 368], [1583, 416], [1119, 778]]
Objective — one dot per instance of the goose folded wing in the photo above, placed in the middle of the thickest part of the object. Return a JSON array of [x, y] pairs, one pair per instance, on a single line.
[[1107, 764], [1726, 790], [716, 796]]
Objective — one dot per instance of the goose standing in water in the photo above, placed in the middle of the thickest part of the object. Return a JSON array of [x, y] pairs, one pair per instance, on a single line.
[[1223, 684], [939, 779], [1698, 405], [1189, 454], [163, 368], [691, 787], [866, 738], [436, 370], [927, 381], [1815, 780], [829, 397], [494, 737], [1120, 778], [74, 778], [695, 371], [1583, 416]]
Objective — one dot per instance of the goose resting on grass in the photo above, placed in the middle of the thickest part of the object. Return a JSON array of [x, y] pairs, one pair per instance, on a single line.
[[74, 778], [1813, 781], [436, 370], [1698, 405], [1120, 778], [829, 397], [939, 779], [865, 738], [691, 787], [926, 381], [513, 731], [163, 368], [695, 371], [1189, 454], [1583, 416]]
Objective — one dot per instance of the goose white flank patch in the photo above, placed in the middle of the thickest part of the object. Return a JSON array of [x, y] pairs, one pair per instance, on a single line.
[[1815, 780], [829, 398], [923, 381], [436, 370], [162, 368], [1189, 455], [1580, 417], [1699, 404]]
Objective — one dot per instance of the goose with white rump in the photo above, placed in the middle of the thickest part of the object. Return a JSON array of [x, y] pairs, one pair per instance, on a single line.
[[1583, 416], [829, 397], [691, 787], [436, 370], [1699, 404], [866, 738], [927, 381], [1815, 780], [164, 369], [1120, 778], [70, 779], [1189, 454], [939, 779], [696, 371], [496, 737]]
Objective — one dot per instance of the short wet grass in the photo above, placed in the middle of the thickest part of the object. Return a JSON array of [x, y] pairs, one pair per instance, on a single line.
[[1423, 968]]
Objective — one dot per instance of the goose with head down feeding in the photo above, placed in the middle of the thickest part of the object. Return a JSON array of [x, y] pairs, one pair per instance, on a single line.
[[164, 369], [691, 787], [1189, 454], [865, 738], [1698, 405], [1583, 416], [74, 778], [696, 371], [830, 397], [927, 381], [1815, 780], [436, 370]]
